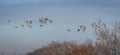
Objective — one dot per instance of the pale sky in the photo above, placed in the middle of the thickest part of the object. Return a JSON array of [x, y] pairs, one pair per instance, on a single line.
[[64, 13]]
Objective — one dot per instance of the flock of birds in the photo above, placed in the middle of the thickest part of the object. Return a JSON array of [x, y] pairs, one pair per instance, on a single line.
[[95, 26], [28, 23], [43, 21], [82, 27]]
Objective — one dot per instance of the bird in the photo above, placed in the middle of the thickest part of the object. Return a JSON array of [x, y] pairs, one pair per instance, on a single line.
[[104, 25], [22, 25], [30, 25], [41, 25], [99, 26], [81, 26], [15, 26], [78, 30], [68, 30], [50, 21], [8, 20], [27, 21], [30, 22], [100, 20], [93, 25], [40, 20], [43, 20], [84, 28], [46, 19]]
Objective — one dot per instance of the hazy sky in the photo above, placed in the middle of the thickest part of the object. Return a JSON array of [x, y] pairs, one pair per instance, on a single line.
[[64, 13]]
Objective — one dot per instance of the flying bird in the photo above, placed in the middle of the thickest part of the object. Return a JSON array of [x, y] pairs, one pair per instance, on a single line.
[[16, 27], [84, 28], [26, 21], [43, 21], [100, 20], [30, 25], [93, 25], [81, 26], [50, 21], [40, 20], [68, 30], [99, 26], [30, 22], [8, 20], [22, 25], [104, 25], [41, 25], [46, 19], [78, 30]]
